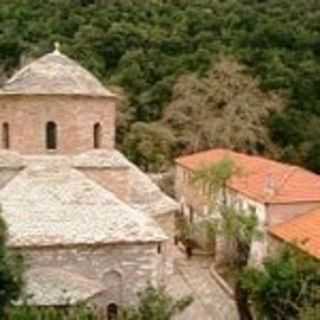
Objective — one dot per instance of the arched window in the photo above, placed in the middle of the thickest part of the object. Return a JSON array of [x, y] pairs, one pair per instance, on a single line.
[[51, 136], [5, 135], [97, 131], [112, 311]]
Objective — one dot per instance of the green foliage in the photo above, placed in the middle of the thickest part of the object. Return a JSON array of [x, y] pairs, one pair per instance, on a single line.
[[225, 108], [288, 287], [145, 47], [149, 145], [156, 304], [11, 268], [237, 226], [213, 179], [239, 223]]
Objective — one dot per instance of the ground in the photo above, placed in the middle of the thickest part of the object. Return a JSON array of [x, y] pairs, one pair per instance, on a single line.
[[192, 277]]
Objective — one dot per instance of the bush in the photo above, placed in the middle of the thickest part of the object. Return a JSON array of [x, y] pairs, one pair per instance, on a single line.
[[287, 287]]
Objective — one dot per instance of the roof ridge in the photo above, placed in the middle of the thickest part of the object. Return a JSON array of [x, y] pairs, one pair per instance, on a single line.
[[300, 216], [286, 177]]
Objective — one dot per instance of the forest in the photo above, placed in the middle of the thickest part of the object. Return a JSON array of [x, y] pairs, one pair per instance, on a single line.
[[191, 75]]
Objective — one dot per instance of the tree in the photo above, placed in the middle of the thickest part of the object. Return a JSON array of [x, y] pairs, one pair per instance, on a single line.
[[287, 287], [224, 109], [150, 146], [156, 304], [11, 268], [144, 47], [238, 227]]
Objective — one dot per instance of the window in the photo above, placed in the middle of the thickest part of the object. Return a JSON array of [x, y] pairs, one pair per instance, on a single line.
[[112, 311], [97, 132], [252, 209], [191, 214], [51, 135], [159, 249], [5, 136]]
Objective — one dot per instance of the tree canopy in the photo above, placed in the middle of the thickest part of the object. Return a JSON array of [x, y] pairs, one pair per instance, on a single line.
[[144, 47], [224, 109], [288, 287]]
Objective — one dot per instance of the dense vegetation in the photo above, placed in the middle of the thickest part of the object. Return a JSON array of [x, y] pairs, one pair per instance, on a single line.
[[11, 267], [145, 46], [288, 287]]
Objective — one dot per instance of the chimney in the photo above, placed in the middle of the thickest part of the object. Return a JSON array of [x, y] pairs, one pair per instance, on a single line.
[[269, 188]]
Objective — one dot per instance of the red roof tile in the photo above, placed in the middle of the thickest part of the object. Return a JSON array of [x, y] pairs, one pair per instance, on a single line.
[[264, 180], [303, 231]]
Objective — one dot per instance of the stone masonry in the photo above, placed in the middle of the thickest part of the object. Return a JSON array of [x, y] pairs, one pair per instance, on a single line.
[[83, 216], [27, 117]]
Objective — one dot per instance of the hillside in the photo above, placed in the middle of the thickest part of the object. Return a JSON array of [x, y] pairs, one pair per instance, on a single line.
[[145, 47]]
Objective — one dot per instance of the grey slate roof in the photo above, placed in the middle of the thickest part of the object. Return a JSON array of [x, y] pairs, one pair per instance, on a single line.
[[10, 159], [50, 203], [145, 195], [56, 287], [99, 158], [54, 73]]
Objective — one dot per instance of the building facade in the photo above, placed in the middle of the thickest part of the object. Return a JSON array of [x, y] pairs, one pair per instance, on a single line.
[[275, 192], [86, 220]]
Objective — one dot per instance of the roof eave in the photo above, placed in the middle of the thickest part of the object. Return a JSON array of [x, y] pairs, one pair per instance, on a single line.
[[83, 244], [26, 94]]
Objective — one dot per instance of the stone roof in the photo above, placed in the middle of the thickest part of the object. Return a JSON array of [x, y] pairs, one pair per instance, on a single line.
[[56, 287], [54, 74], [10, 159], [145, 195], [100, 158], [49, 203]]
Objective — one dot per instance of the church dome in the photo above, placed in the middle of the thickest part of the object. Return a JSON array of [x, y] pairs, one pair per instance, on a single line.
[[54, 74]]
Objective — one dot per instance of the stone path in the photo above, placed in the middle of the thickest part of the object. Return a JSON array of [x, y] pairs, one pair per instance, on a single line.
[[192, 277]]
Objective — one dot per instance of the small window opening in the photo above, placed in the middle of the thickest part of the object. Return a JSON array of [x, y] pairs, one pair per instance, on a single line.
[[159, 248], [191, 214], [5, 136], [51, 135], [97, 132], [112, 311], [252, 209]]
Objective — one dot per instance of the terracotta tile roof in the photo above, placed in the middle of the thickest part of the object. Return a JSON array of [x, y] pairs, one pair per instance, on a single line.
[[304, 231], [262, 179]]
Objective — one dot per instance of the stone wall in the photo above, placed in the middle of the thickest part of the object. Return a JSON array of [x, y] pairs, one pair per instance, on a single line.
[[167, 223], [124, 269], [186, 193], [74, 116]]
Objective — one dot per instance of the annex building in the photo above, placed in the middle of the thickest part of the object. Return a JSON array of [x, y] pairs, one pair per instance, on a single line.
[[285, 198]]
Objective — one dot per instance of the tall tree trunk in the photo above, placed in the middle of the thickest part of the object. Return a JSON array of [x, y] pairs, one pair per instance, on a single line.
[[242, 301], [241, 295]]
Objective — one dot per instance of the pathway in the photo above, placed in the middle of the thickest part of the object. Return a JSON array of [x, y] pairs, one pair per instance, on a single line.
[[192, 277]]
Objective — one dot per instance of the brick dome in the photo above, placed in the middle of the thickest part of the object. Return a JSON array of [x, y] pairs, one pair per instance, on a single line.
[[54, 74]]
